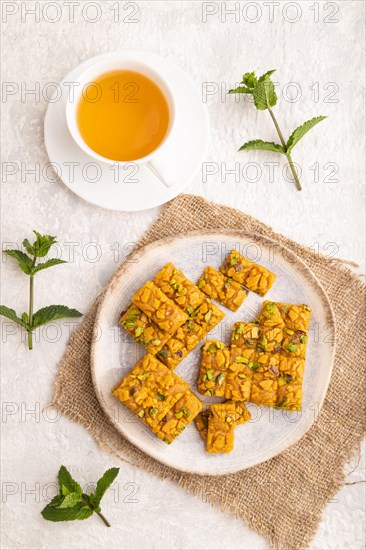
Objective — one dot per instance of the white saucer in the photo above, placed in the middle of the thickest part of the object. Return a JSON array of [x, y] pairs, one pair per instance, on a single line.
[[131, 190]]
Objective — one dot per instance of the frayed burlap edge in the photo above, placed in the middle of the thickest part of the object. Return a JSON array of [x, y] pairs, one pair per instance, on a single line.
[[283, 498]]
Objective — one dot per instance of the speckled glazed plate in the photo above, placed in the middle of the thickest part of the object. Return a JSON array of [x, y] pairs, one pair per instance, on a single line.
[[270, 431]]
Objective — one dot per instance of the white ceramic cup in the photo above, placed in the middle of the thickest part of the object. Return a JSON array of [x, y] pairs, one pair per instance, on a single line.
[[92, 73]]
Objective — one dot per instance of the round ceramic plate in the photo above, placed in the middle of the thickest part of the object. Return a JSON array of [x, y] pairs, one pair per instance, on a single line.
[[270, 431], [130, 189]]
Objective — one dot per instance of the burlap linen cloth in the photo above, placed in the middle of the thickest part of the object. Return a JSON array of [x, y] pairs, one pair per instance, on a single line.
[[283, 498]]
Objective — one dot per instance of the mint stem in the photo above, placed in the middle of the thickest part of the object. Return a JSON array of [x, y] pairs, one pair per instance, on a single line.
[[31, 297], [103, 518], [297, 181]]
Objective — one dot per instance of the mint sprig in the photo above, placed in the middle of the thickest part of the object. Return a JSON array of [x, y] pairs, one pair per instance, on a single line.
[[72, 504], [265, 97], [28, 264]]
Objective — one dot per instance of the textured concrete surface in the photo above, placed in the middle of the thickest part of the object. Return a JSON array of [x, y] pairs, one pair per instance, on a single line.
[[316, 46]]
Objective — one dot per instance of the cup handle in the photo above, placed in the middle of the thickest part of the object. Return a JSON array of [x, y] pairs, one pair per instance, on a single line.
[[158, 170]]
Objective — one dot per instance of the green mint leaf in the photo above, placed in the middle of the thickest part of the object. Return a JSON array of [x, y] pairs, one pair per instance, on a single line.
[[250, 80], [78, 512], [24, 261], [29, 248], [56, 501], [52, 313], [10, 314], [67, 484], [260, 145], [49, 263], [240, 90], [300, 132], [70, 500], [267, 75], [25, 318], [42, 244], [103, 484], [264, 92]]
